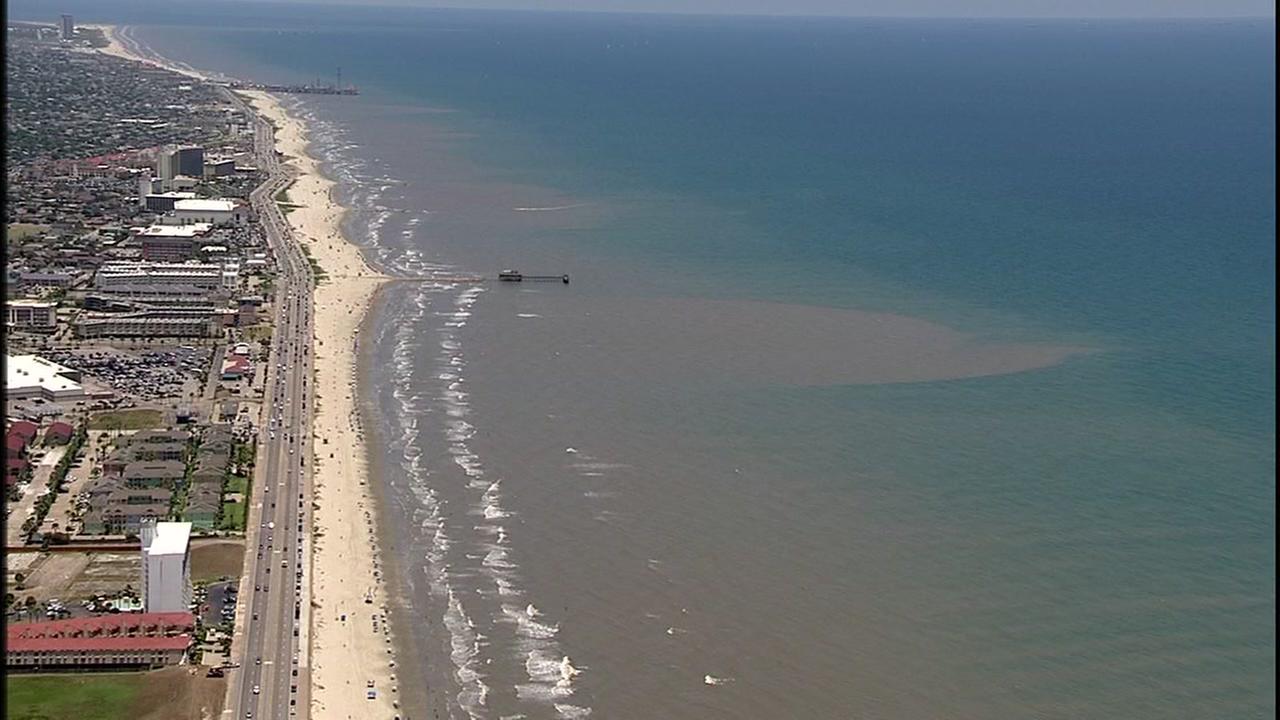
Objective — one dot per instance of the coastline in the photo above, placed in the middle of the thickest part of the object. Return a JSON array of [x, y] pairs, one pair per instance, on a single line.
[[346, 560], [346, 566]]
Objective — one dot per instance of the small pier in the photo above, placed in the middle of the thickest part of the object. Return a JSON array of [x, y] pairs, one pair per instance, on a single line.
[[296, 89], [517, 276], [504, 276]]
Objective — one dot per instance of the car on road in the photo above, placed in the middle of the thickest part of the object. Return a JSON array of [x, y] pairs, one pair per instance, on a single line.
[[257, 661], [256, 689]]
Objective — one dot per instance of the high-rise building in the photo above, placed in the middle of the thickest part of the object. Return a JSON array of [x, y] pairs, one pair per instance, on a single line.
[[191, 161], [166, 566], [67, 27], [187, 161], [166, 165]]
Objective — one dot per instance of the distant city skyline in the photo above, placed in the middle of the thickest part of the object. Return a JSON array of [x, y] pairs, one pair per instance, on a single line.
[[872, 8]]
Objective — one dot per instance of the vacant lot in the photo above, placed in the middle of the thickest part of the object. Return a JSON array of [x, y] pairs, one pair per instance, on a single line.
[[107, 573], [75, 576], [126, 420], [172, 693], [217, 559]]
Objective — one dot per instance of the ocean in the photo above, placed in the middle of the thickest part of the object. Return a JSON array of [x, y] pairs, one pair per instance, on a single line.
[[908, 368]]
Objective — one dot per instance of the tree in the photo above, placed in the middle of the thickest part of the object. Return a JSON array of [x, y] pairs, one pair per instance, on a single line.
[[19, 577]]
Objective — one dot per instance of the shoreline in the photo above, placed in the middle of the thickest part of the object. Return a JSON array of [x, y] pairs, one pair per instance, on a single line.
[[346, 560]]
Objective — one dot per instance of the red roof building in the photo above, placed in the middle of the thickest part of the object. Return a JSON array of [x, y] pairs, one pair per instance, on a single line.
[[126, 639], [15, 445], [13, 469], [25, 429], [59, 433], [120, 625], [235, 366]]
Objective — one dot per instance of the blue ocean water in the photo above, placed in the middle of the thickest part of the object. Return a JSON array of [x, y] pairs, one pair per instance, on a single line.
[[1095, 539]]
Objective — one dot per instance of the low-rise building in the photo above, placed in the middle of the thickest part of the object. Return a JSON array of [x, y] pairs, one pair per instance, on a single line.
[[47, 279], [219, 168], [203, 504], [206, 276], [154, 474], [154, 437], [217, 212], [32, 314], [31, 376], [24, 429], [122, 517], [172, 243], [235, 367], [166, 201], [58, 433], [140, 325], [126, 640]]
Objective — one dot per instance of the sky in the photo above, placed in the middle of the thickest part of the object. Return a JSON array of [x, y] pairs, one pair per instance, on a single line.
[[880, 8]]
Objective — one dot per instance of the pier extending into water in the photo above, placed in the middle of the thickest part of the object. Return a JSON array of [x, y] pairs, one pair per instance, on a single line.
[[504, 276], [296, 89]]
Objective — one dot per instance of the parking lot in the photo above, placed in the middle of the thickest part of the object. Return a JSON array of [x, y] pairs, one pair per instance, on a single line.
[[179, 371]]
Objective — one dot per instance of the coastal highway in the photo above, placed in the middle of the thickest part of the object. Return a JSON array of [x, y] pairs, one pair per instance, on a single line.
[[272, 680]]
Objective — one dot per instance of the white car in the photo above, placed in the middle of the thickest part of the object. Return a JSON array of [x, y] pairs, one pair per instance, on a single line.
[[256, 689]]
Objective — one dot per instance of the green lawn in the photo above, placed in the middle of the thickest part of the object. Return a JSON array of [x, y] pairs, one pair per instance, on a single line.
[[126, 420], [254, 333], [237, 484], [21, 231], [232, 516], [83, 697]]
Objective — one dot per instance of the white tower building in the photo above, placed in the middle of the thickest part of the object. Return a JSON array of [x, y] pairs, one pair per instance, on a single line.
[[166, 566]]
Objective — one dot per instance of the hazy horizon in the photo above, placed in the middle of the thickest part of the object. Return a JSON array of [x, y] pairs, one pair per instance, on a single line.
[[1046, 9]]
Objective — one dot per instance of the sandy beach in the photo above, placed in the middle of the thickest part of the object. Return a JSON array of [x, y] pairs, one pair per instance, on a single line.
[[343, 655], [119, 46]]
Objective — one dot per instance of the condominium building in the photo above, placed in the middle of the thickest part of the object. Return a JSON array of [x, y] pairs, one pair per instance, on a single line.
[[187, 161], [172, 243], [166, 566], [201, 275], [142, 325]]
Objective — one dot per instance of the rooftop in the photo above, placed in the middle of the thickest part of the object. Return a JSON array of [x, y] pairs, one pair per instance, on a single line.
[[89, 644], [132, 624], [205, 205], [30, 371], [125, 631], [172, 538], [176, 231]]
